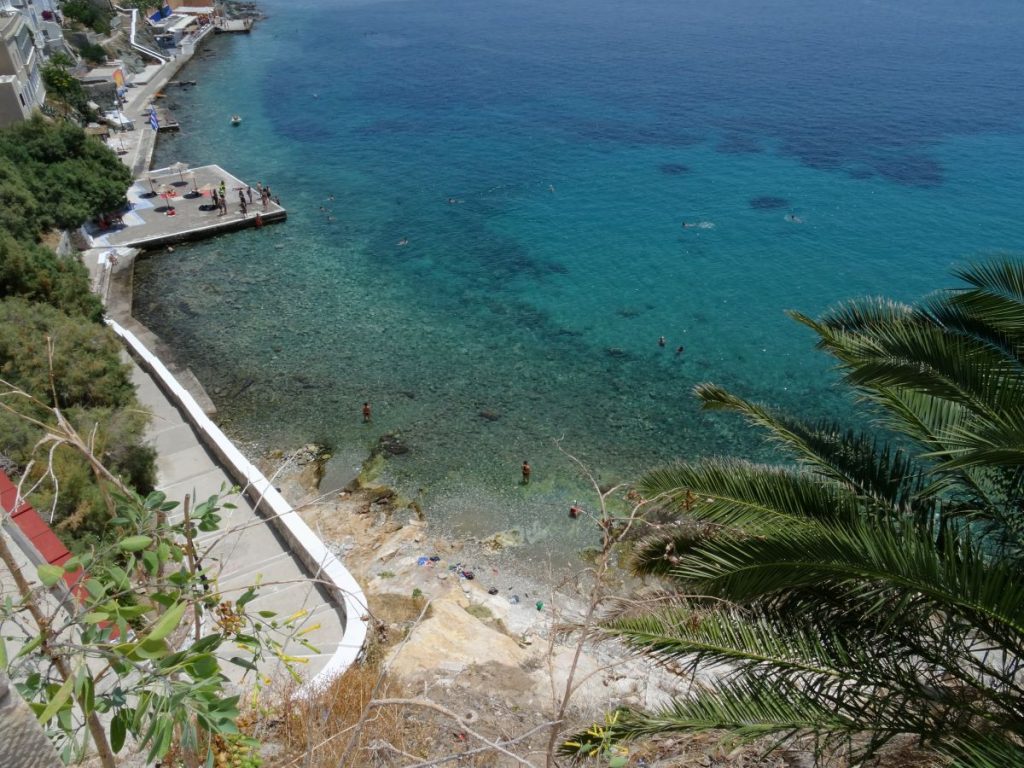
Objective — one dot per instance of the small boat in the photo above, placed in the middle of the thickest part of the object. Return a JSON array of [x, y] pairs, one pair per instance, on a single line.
[[235, 120]]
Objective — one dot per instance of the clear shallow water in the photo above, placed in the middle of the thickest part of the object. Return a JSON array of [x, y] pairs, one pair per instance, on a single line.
[[574, 140]]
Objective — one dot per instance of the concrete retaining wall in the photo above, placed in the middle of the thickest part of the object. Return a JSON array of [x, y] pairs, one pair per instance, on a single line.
[[303, 542]]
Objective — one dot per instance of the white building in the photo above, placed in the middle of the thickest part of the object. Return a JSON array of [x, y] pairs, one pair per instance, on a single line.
[[43, 16], [21, 85]]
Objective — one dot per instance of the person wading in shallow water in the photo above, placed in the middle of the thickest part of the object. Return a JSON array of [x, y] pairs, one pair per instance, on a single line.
[[526, 473], [367, 413]]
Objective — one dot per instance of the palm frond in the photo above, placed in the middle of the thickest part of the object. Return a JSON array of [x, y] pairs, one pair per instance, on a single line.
[[924, 359], [993, 308], [1004, 275], [748, 710], [875, 589], [873, 563], [856, 317], [924, 356], [703, 634], [657, 553], [869, 467], [731, 492], [989, 749], [949, 314]]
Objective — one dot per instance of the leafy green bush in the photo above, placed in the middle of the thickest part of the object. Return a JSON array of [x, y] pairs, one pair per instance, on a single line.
[[61, 86], [88, 14], [71, 176], [93, 389], [51, 345], [38, 274], [97, 54]]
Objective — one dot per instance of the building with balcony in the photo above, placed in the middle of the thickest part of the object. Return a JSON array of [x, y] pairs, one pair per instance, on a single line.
[[44, 18], [21, 84]]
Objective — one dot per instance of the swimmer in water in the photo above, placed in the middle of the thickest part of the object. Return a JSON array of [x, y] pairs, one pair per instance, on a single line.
[[551, 187], [792, 218], [679, 351], [403, 241], [661, 341]]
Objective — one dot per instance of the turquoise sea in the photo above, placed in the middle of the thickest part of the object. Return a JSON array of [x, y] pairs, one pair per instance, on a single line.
[[540, 159]]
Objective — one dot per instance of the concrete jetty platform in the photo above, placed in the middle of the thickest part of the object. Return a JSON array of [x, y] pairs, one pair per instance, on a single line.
[[167, 206], [168, 122], [232, 25]]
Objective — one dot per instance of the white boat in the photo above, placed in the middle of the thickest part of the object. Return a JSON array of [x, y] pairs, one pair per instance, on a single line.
[[235, 119]]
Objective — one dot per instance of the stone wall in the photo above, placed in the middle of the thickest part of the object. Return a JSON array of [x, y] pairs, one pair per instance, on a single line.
[[22, 741]]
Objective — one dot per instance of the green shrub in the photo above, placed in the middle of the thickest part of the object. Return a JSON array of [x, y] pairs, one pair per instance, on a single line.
[[97, 54], [71, 176], [88, 14], [36, 273], [93, 388]]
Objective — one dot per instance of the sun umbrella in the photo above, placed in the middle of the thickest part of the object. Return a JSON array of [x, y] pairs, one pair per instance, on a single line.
[[180, 167], [167, 192]]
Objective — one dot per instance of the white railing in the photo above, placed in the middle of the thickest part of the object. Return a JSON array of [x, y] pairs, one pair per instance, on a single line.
[[131, 37], [304, 543]]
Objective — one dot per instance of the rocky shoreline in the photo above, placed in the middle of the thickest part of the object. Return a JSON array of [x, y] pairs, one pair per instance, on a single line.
[[481, 619], [444, 624]]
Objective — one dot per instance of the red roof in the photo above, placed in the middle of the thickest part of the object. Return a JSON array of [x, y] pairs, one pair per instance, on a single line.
[[36, 529]]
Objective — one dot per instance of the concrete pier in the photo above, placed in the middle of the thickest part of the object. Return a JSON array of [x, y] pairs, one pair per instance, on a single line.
[[168, 207], [232, 25]]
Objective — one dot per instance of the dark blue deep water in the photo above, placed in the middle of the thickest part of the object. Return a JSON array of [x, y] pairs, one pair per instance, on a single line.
[[540, 159]]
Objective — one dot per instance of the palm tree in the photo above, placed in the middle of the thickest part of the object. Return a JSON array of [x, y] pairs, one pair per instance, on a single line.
[[871, 588]]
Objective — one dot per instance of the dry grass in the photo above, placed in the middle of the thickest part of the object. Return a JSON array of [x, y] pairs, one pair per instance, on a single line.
[[315, 732]]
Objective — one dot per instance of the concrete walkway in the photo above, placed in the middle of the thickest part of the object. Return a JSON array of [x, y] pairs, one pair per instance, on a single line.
[[245, 551]]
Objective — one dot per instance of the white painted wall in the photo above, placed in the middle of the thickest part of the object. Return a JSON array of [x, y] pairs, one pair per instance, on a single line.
[[304, 543]]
